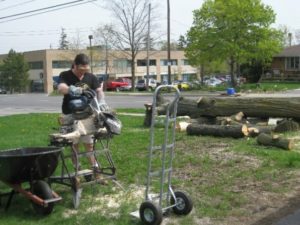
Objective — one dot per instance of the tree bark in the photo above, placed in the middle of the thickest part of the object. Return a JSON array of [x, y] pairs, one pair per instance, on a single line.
[[227, 106], [255, 130], [268, 140], [287, 125], [217, 130]]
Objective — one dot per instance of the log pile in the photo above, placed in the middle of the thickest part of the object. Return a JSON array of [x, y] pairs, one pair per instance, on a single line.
[[238, 117]]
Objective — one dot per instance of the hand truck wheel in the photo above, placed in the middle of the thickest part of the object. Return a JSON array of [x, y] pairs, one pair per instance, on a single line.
[[184, 203], [150, 213]]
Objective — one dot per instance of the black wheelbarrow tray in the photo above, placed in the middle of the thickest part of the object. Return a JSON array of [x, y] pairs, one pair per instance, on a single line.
[[32, 165]]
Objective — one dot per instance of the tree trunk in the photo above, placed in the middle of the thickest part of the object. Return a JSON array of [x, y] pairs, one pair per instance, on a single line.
[[255, 130], [217, 130], [287, 125], [268, 140], [227, 106]]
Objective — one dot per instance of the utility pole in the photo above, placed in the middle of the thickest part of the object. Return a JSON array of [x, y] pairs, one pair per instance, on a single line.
[[91, 54], [169, 45], [148, 47]]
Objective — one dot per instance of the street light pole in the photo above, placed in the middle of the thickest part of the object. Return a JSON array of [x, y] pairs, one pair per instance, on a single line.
[[148, 47], [169, 45], [91, 54]]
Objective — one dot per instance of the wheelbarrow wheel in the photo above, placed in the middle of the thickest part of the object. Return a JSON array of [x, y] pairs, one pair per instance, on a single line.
[[150, 213], [41, 189], [184, 204]]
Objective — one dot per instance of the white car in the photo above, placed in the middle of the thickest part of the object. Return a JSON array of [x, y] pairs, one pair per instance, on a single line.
[[213, 82], [141, 84]]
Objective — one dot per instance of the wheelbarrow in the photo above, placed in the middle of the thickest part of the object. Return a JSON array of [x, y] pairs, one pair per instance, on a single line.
[[30, 165]]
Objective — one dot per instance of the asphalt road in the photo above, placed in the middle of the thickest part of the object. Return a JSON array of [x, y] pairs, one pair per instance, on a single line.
[[33, 103]]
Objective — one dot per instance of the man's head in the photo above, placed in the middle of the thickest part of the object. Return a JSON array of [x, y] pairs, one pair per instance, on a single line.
[[81, 64]]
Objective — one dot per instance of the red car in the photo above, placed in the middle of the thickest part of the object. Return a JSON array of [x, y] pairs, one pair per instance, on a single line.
[[118, 84]]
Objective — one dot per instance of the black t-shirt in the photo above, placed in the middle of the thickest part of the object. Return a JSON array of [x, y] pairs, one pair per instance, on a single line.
[[69, 78]]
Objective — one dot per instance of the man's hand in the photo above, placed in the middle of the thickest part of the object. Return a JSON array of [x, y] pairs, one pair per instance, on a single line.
[[75, 91], [103, 106]]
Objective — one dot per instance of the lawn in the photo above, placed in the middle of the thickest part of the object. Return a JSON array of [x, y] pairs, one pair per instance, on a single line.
[[263, 87], [231, 181]]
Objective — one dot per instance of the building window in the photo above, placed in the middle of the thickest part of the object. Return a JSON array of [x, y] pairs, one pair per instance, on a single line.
[[36, 65], [101, 63], [185, 62], [164, 62], [61, 64], [122, 65], [189, 76], [292, 63], [143, 62]]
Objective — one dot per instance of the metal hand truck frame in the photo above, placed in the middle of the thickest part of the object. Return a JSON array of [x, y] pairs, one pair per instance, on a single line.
[[151, 211]]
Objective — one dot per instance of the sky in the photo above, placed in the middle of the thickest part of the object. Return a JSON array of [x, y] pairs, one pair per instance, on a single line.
[[43, 31]]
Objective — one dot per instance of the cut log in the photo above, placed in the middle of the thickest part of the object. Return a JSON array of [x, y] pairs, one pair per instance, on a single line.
[[181, 126], [275, 141], [237, 117], [254, 130], [227, 106], [204, 120], [287, 125], [218, 130], [148, 114]]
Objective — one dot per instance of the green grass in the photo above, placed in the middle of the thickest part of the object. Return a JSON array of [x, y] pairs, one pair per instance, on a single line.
[[270, 86], [254, 87], [217, 172]]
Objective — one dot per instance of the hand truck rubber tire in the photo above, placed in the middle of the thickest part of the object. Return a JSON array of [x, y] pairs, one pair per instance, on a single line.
[[150, 213], [184, 203]]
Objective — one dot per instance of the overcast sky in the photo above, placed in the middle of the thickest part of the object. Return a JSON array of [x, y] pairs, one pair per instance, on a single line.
[[43, 31]]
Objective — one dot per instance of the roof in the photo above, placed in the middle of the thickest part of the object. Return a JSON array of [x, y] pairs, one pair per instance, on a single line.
[[290, 51]]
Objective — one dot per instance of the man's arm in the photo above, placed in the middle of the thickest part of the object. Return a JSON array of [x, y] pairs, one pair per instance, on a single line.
[[100, 93], [63, 88]]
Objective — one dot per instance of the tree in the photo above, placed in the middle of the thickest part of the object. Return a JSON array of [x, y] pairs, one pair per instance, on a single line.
[[104, 37], [63, 43], [234, 30], [163, 45], [14, 72], [132, 20], [182, 42], [77, 42]]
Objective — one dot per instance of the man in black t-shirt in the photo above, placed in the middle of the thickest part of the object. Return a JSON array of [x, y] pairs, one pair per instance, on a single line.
[[70, 83]]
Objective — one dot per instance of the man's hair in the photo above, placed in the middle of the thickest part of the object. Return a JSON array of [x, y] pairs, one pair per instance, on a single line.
[[81, 59]]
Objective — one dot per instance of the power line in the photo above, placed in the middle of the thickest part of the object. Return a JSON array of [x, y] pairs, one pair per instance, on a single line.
[[51, 10], [42, 32], [36, 10], [12, 6]]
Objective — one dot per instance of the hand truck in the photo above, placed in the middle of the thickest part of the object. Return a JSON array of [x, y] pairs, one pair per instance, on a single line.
[[151, 211]]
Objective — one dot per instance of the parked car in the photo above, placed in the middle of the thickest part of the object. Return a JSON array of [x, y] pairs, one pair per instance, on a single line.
[[126, 87], [213, 82], [141, 84], [3, 91], [181, 85], [115, 85]]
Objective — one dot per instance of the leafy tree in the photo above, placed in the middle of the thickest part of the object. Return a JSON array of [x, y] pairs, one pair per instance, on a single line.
[[234, 30], [182, 42], [14, 72], [63, 43]]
